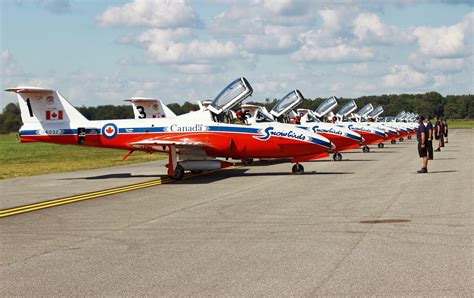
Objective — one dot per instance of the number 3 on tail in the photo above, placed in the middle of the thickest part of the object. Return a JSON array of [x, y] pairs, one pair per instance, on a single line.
[[141, 111]]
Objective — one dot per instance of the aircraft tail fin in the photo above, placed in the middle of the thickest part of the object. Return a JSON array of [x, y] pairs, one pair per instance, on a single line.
[[45, 106], [150, 108]]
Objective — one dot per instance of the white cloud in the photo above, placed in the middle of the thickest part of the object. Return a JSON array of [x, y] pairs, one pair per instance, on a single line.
[[316, 48], [446, 41], [441, 41], [274, 40], [196, 68], [287, 7], [331, 19], [195, 51], [368, 28], [185, 53], [403, 77], [443, 65], [161, 14]]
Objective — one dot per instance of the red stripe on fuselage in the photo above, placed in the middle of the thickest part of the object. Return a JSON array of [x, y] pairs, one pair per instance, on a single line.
[[341, 142], [370, 138]]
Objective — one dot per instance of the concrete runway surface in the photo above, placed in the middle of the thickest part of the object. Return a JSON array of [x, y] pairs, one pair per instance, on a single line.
[[368, 225]]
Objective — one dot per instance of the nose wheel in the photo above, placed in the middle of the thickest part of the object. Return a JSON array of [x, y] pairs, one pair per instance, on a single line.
[[247, 161], [393, 142], [380, 145], [366, 149], [297, 169], [401, 139], [409, 137], [337, 156]]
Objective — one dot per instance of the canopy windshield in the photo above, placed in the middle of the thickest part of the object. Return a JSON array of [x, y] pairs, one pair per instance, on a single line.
[[310, 117], [262, 116], [365, 110], [233, 94], [376, 112], [287, 103], [326, 106], [401, 115], [347, 108]]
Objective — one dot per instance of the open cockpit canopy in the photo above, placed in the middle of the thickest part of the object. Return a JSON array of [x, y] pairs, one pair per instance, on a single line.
[[365, 110], [326, 106], [232, 95], [287, 103], [401, 115], [376, 112], [348, 108]]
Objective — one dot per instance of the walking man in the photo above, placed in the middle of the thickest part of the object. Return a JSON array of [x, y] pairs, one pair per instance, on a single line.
[[429, 141], [421, 137]]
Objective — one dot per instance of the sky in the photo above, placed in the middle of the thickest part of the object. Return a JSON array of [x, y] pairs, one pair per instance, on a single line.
[[102, 52]]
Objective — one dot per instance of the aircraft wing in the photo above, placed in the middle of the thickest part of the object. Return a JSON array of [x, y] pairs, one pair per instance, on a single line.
[[202, 141]]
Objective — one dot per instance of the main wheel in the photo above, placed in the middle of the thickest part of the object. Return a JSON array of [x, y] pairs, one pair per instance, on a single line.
[[409, 137], [365, 149], [178, 173], [247, 161], [381, 145], [297, 169], [401, 139], [337, 156], [393, 142]]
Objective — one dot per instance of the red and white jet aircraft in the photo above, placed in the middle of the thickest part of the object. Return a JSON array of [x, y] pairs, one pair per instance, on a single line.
[[342, 138], [193, 141]]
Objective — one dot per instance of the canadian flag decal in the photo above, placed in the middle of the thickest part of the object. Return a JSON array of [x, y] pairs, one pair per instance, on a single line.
[[54, 115]]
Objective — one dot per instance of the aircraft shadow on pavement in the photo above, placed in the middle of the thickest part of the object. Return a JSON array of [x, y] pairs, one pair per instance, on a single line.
[[343, 160], [264, 163], [371, 151], [383, 151], [116, 175], [242, 172]]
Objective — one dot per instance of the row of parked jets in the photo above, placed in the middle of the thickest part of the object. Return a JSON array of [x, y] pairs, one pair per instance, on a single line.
[[220, 130]]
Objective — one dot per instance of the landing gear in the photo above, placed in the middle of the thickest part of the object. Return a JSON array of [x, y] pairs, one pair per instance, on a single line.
[[178, 173], [175, 170], [247, 161], [401, 139], [297, 169], [381, 145], [366, 149], [393, 142], [337, 156], [409, 137]]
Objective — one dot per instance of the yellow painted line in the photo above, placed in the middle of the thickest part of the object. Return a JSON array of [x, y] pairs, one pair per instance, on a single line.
[[96, 194]]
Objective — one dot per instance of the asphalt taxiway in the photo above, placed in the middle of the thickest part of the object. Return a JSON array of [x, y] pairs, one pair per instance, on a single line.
[[368, 225]]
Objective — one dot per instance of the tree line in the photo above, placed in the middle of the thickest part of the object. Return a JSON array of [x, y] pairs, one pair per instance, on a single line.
[[428, 104]]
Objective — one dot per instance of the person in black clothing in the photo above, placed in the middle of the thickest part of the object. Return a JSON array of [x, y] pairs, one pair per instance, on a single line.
[[441, 135], [421, 137], [429, 141], [437, 131], [445, 130]]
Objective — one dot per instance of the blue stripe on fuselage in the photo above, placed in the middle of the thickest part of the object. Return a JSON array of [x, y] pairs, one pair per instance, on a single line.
[[233, 129], [141, 129], [320, 142]]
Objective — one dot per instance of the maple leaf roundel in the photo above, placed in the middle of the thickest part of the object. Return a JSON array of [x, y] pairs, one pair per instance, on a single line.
[[109, 130]]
